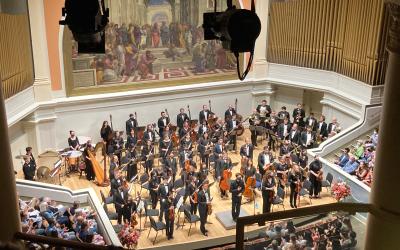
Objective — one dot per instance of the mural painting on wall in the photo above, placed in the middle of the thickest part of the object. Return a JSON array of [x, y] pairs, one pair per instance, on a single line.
[[157, 40]]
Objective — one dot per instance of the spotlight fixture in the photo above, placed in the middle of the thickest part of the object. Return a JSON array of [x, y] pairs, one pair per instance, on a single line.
[[87, 20], [237, 29]]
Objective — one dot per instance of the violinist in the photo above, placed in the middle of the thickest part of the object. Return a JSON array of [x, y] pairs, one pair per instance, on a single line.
[[223, 164], [184, 130], [229, 113], [129, 209], [149, 134], [181, 119], [237, 189], [89, 167], [164, 190], [148, 156], [204, 201], [295, 184], [281, 171], [219, 128], [194, 183], [184, 156], [130, 124], [153, 188], [231, 127], [255, 122], [163, 122], [169, 213], [186, 143], [131, 140], [247, 149], [204, 146], [268, 191], [203, 128], [265, 160], [165, 147]]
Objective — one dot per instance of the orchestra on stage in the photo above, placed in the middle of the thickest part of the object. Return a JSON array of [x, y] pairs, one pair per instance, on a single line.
[[179, 160]]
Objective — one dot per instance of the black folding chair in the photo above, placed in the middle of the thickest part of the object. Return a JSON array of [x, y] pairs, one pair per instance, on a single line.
[[149, 212], [157, 226], [191, 218], [305, 190], [327, 183], [279, 198]]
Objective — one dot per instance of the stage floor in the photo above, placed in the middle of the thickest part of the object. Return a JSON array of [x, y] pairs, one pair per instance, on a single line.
[[217, 234]]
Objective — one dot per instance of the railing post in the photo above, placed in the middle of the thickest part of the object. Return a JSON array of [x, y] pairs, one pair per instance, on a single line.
[[9, 215], [239, 235]]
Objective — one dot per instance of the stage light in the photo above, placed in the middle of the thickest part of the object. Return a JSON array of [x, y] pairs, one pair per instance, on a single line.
[[87, 20], [237, 29]]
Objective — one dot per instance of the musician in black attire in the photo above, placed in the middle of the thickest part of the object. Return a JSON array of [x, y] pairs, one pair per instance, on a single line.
[[231, 127], [264, 110], [114, 165], [315, 168], [284, 129], [229, 113], [311, 121], [203, 173], [131, 124], [164, 191], [281, 171], [203, 200], [294, 179], [265, 159], [73, 141], [247, 149], [131, 140], [30, 154], [165, 147], [132, 165], [204, 114], [249, 171], [283, 114], [129, 209], [194, 183], [115, 182], [185, 130], [237, 189], [169, 212], [285, 148], [254, 121], [268, 190], [181, 118], [148, 156], [153, 187], [203, 147], [29, 169], [223, 164], [219, 149], [203, 128], [171, 163], [149, 134], [298, 115], [163, 121], [273, 134], [120, 199], [307, 138], [294, 135], [322, 127], [118, 144], [89, 167], [106, 135]]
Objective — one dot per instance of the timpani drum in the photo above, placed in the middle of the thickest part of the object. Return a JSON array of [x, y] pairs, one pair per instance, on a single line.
[[73, 157]]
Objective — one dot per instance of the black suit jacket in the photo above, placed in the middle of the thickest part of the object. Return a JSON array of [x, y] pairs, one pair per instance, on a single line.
[[299, 111], [130, 141], [313, 124], [162, 192], [202, 130], [244, 153], [281, 127], [146, 135], [234, 190], [180, 121], [261, 161], [130, 124], [221, 166], [161, 125], [295, 138], [303, 138], [330, 127], [202, 116], [228, 113], [202, 201], [268, 110], [29, 170], [324, 129], [119, 201]]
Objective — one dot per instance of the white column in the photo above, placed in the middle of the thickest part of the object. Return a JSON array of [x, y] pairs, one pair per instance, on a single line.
[[9, 215], [260, 65], [42, 85], [383, 227]]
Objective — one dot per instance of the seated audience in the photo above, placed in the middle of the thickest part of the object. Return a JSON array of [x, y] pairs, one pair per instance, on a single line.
[[344, 158], [351, 165]]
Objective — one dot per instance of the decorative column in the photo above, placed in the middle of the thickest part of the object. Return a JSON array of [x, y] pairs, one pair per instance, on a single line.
[[9, 215], [41, 86], [383, 225], [260, 65]]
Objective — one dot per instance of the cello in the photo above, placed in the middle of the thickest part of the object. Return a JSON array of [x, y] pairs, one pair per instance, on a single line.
[[249, 187]]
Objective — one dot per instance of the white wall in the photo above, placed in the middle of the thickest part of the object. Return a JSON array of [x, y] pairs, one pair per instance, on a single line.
[[287, 96]]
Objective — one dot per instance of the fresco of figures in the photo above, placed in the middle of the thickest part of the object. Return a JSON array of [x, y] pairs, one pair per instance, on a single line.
[[162, 50]]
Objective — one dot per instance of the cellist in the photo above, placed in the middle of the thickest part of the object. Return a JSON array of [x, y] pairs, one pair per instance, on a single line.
[[223, 176]]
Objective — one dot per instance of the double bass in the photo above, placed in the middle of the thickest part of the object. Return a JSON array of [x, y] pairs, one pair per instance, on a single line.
[[249, 187], [239, 118], [225, 182]]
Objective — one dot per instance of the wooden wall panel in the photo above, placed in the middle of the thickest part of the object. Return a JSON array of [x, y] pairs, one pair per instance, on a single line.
[[345, 36], [16, 65]]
